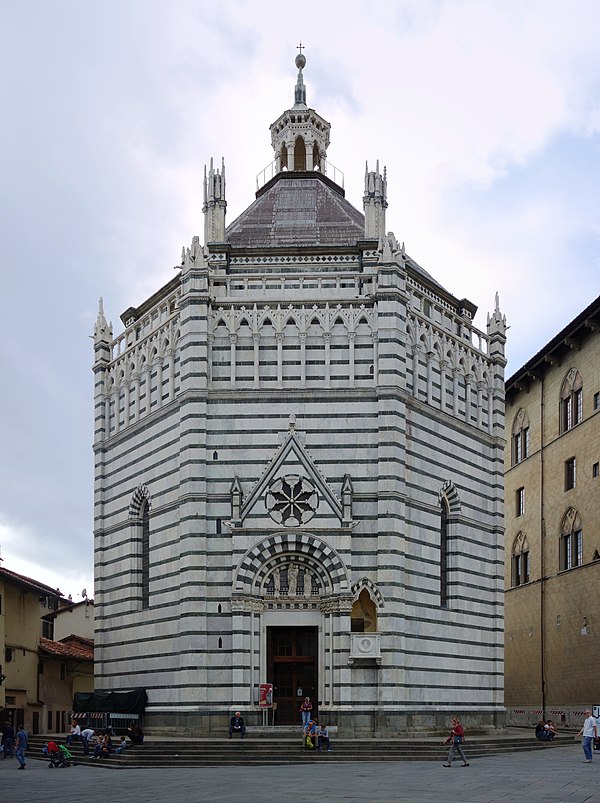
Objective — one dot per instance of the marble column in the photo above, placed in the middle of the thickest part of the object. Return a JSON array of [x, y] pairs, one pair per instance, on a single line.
[[327, 341], [455, 390], [351, 372], [256, 342], [232, 343], [302, 359]]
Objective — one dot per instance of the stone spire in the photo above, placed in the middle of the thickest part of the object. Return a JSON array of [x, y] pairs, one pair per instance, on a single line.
[[215, 205], [496, 329], [103, 332], [300, 91], [300, 136], [375, 203]]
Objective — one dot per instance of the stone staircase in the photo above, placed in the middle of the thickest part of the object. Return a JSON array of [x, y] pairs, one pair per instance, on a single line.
[[286, 748]]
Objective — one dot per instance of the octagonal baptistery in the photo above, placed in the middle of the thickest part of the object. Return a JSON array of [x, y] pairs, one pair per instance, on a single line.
[[298, 470]]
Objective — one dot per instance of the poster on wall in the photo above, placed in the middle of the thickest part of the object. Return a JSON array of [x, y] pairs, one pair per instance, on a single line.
[[265, 695]]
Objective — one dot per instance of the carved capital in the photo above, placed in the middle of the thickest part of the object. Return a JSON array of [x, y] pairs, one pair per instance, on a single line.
[[247, 605]]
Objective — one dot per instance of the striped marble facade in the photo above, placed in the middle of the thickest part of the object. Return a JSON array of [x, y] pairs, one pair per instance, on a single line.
[[302, 422], [390, 403]]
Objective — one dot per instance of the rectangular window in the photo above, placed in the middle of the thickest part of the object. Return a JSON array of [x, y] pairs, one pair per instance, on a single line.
[[596, 470], [520, 502], [516, 581], [568, 552], [520, 445], [570, 474], [567, 413], [517, 447], [520, 568], [596, 400], [572, 550], [63, 672], [578, 407]]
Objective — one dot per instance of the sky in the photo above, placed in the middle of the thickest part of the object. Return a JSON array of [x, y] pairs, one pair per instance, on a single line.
[[486, 114]]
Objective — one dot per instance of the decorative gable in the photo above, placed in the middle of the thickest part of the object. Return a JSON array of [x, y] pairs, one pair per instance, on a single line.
[[291, 488]]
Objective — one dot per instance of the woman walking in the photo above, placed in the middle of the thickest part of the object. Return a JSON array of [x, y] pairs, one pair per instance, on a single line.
[[456, 739]]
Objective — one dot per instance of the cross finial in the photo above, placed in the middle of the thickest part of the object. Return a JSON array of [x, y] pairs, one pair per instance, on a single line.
[[300, 46]]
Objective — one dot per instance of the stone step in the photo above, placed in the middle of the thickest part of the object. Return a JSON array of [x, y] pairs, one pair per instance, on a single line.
[[261, 752]]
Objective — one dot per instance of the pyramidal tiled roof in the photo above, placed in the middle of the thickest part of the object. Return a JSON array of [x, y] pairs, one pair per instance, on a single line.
[[297, 209]]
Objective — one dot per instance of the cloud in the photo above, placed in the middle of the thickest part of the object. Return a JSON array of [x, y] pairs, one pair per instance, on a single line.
[[486, 115], [26, 552]]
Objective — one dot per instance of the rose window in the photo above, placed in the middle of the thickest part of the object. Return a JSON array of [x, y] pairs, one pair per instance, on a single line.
[[291, 500]]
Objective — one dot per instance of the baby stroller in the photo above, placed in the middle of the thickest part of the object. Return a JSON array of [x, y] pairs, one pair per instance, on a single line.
[[62, 757]]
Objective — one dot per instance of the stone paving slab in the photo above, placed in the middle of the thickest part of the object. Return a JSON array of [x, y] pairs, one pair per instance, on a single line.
[[558, 776]]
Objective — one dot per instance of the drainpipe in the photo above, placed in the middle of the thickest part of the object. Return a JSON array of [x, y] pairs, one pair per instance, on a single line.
[[542, 563]]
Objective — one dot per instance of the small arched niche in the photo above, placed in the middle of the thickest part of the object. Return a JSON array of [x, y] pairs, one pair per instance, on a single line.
[[316, 158], [299, 154], [283, 157], [363, 618]]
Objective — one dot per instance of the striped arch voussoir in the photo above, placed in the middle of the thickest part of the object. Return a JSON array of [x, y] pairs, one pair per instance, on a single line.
[[372, 589], [450, 494], [141, 495], [252, 564]]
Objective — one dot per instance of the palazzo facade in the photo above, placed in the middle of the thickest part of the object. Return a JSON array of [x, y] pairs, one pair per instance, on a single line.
[[552, 568], [298, 469]]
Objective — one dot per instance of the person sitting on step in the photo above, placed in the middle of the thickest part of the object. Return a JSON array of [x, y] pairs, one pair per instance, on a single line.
[[236, 725], [323, 739], [309, 735]]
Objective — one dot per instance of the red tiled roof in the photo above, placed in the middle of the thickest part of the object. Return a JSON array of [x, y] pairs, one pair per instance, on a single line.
[[81, 653], [33, 585], [78, 641]]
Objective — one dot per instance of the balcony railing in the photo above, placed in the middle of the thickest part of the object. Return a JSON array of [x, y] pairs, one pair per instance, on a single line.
[[331, 171]]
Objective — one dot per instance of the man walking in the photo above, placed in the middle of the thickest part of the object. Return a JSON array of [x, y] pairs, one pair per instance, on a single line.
[[590, 732], [21, 747]]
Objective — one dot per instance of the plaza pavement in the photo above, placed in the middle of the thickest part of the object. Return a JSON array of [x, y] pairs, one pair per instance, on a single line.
[[555, 776]]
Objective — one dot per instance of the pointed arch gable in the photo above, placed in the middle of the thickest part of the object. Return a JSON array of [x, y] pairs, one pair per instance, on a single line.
[[292, 444], [570, 521], [368, 585], [572, 382], [449, 493], [140, 496], [520, 544]]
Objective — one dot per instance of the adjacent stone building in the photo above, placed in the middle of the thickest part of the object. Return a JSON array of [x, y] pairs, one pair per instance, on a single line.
[[298, 469], [552, 527], [39, 671]]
